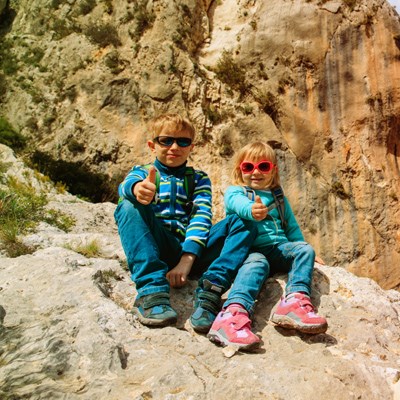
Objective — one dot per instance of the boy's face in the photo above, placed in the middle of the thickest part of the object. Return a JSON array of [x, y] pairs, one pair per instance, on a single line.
[[174, 155]]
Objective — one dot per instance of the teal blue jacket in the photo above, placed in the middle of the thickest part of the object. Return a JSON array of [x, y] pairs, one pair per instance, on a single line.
[[190, 227], [270, 230]]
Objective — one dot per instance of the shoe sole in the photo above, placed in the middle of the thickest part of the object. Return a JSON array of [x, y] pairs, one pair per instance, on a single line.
[[152, 321], [217, 338], [286, 322], [199, 329]]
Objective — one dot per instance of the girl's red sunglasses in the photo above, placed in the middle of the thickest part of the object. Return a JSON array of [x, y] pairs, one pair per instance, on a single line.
[[263, 166]]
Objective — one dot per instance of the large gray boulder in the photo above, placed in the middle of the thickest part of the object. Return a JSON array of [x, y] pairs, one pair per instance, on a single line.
[[66, 331]]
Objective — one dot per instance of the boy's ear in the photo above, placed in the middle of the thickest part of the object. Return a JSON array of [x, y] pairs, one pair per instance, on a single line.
[[151, 145]]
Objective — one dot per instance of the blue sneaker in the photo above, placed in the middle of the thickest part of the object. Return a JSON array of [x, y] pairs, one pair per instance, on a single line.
[[155, 310], [207, 304]]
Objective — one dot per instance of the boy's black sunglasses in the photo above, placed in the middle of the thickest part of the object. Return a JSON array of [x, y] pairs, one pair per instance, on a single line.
[[168, 141]]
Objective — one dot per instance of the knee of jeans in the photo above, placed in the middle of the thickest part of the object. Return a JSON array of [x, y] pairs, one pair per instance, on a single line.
[[124, 209], [257, 264], [306, 248], [256, 258]]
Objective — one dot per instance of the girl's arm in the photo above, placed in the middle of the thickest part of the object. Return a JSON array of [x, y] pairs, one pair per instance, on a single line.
[[237, 202]]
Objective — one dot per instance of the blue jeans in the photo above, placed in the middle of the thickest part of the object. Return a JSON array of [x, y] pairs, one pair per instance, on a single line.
[[295, 258], [152, 250], [248, 282]]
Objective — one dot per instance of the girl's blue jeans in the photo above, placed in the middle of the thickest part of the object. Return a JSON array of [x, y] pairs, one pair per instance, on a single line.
[[152, 250], [295, 258]]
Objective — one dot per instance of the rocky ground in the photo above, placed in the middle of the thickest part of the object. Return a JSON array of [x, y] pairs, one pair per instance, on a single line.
[[66, 331]]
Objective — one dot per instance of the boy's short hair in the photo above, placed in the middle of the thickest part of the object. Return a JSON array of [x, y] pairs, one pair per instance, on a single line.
[[166, 123]]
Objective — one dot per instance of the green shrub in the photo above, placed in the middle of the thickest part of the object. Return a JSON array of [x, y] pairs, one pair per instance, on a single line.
[[3, 85], [75, 147], [87, 6], [21, 208], [89, 250], [231, 73], [144, 18], [59, 219], [102, 35], [63, 28], [10, 137], [8, 60], [33, 56]]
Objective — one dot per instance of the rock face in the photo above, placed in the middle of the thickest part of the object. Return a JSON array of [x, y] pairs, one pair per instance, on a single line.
[[66, 330], [319, 80]]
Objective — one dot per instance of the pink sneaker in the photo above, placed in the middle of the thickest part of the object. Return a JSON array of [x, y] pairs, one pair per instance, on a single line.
[[296, 312], [233, 327]]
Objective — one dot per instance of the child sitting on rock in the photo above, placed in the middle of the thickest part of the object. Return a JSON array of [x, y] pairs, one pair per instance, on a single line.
[[165, 229], [258, 197]]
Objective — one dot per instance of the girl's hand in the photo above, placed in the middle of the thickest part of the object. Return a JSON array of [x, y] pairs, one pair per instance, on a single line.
[[145, 190], [259, 211], [319, 260]]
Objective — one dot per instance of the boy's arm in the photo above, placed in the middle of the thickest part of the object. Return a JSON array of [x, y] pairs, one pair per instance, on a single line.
[[136, 176], [199, 226], [145, 190], [178, 275]]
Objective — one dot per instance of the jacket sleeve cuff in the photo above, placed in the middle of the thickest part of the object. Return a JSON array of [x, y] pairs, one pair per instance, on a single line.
[[189, 246]]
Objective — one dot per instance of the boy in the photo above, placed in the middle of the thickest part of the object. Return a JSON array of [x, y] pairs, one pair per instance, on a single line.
[[165, 231]]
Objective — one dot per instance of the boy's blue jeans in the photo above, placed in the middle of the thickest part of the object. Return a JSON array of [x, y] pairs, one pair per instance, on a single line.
[[295, 258], [152, 250]]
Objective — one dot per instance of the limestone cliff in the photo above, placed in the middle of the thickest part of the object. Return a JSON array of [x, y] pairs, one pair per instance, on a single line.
[[319, 80], [66, 330]]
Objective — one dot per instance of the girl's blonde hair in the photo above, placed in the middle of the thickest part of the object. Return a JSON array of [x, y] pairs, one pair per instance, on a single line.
[[254, 152], [167, 123]]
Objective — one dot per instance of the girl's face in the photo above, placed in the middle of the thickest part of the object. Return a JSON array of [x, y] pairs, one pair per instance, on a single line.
[[257, 174]]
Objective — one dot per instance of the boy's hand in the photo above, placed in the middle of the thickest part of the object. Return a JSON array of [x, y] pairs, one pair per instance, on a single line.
[[178, 275], [259, 210], [145, 190]]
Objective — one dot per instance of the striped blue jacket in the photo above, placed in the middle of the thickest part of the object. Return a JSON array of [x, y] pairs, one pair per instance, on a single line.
[[191, 228]]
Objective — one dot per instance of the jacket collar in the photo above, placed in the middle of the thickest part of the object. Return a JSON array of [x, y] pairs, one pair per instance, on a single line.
[[176, 171]]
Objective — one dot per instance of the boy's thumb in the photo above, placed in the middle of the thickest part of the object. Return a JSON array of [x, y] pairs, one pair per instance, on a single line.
[[258, 200], [151, 177]]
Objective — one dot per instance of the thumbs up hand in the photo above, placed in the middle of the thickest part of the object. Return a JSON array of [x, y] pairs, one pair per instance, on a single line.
[[151, 177], [258, 210], [145, 190]]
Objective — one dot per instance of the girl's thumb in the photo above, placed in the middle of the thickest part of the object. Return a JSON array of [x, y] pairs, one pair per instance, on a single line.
[[258, 200]]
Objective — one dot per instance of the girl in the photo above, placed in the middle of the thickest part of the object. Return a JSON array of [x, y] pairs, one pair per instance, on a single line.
[[279, 237]]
